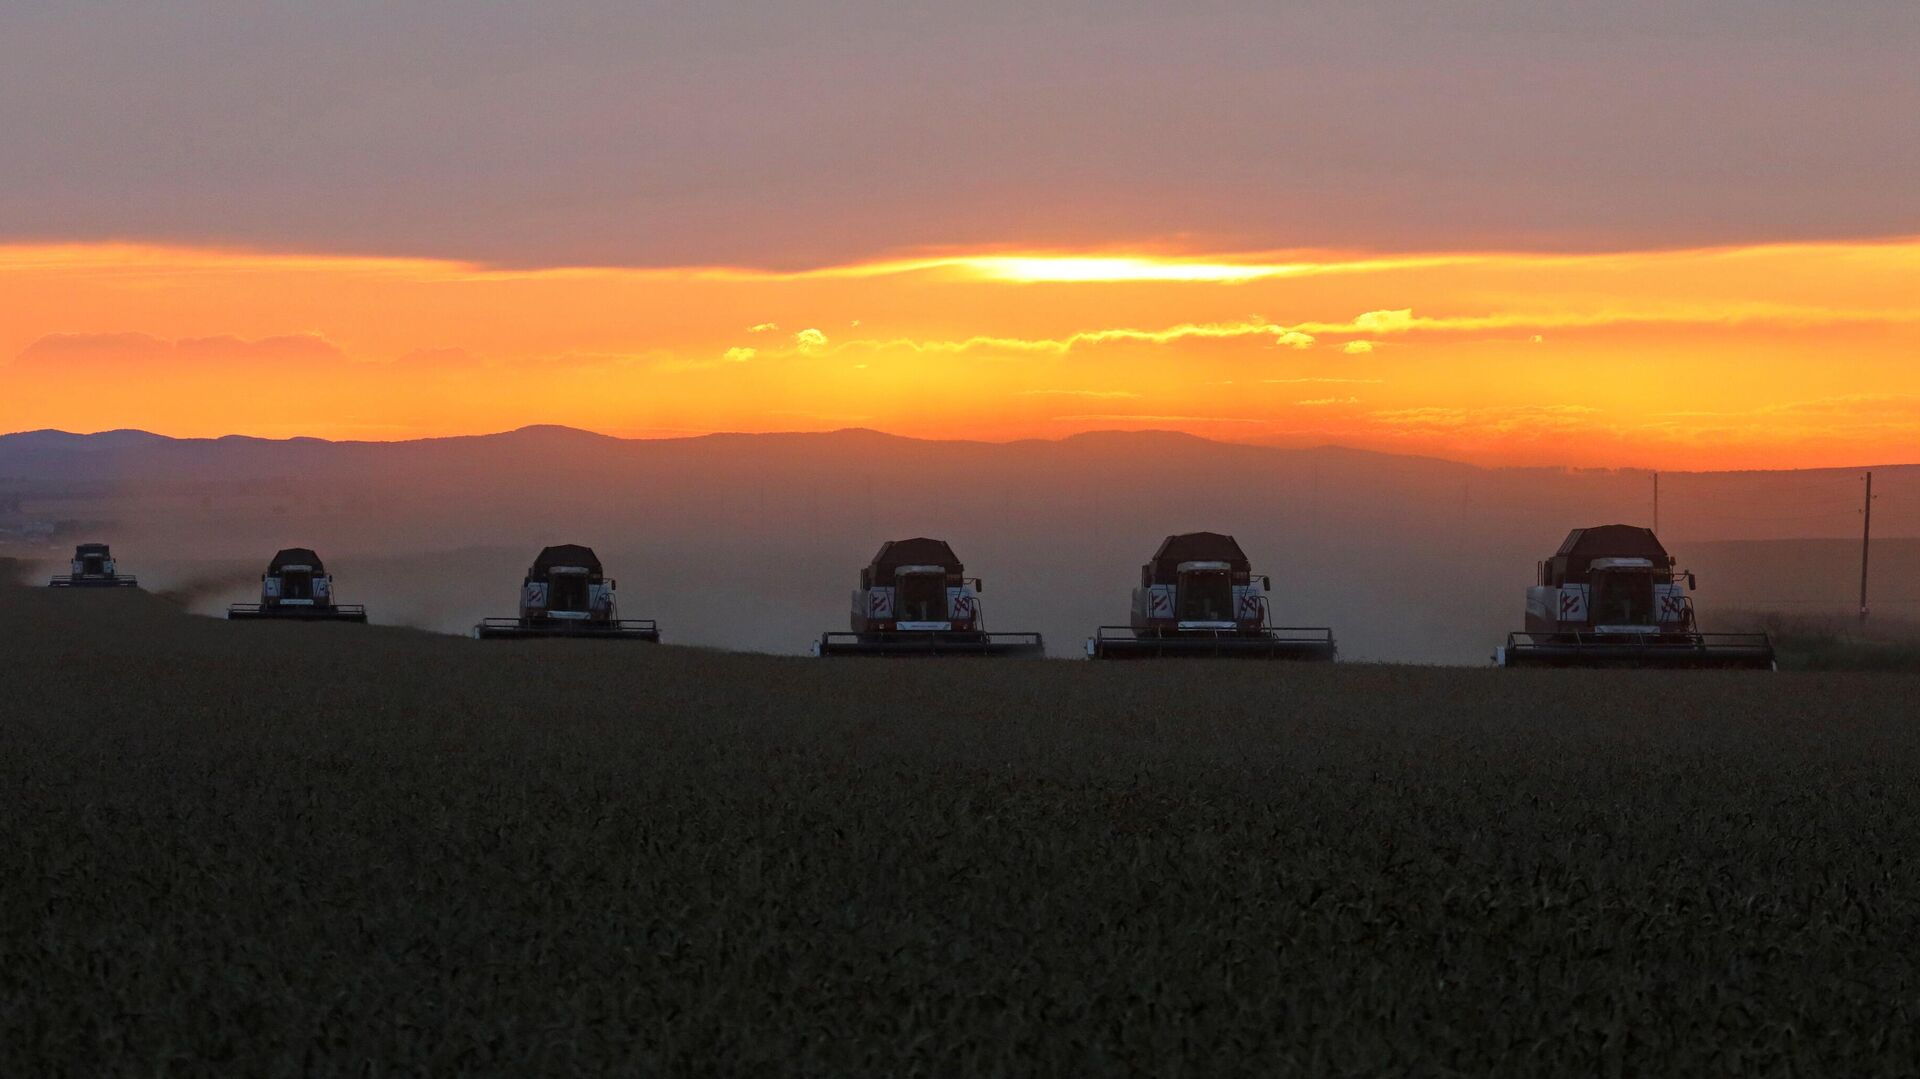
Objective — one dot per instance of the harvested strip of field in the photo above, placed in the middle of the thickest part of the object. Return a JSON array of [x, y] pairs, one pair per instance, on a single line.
[[274, 849]]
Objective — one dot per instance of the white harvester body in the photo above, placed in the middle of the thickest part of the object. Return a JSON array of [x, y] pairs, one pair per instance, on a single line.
[[1611, 597], [92, 566], [919, 599], [914, 599], [297, 586], [565, 594], [1199, 598], [1620, 584]]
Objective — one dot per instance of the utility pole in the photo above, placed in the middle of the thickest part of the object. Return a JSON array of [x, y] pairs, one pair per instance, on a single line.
[[1656, 503], [1866, 538]]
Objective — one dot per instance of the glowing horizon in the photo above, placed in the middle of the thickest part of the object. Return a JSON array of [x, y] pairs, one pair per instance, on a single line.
[[1764, 355]]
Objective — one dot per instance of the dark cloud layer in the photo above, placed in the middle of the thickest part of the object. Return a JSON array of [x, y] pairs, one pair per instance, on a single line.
[[815, 133]]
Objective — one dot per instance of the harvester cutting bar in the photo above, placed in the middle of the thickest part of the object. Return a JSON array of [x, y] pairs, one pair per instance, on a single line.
[[908, 643], [1744, 651], [622, 629], [71, 581], [1273, 642], [339, 612]]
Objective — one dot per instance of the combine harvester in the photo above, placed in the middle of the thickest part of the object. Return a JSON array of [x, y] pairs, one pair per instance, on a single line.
[[914, 600], [297, 587], [566, 595], [93, 567], [1610, 597], [1198, 598]]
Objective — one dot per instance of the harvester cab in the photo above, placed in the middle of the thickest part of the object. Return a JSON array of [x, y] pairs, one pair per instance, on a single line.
[[297, 586], [565, 594], [1611, 597], [93, 567], [1199, 597], [915, 599]]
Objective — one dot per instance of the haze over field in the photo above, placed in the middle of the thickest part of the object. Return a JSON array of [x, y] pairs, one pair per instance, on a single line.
[[754, 541]]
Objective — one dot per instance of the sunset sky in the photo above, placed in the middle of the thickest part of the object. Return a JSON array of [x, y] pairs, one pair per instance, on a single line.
[[1505, 233]]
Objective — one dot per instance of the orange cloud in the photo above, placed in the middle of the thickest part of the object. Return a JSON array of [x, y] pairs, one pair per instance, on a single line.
[[1769, 355]]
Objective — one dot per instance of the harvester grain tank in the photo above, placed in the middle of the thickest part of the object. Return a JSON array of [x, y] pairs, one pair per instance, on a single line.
[[93, 567], [1610, 597], [297, 587], [915, 599], [1198, 597], [566, 594]]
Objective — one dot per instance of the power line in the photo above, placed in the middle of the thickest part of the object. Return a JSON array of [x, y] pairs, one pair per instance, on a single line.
[[1836, 501], [1824, 515], [1801, 485]]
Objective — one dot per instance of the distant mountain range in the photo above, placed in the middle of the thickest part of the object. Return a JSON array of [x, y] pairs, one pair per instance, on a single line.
[[564, 464]]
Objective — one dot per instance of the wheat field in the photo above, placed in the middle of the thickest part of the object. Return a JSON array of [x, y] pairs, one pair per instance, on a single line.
[[292, 850]]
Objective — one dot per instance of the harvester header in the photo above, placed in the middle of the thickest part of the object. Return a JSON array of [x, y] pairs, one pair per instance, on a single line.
[[915, 599], [297, 586], [1611, 597], [93, 566], [566, 594], [1198, 596]]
